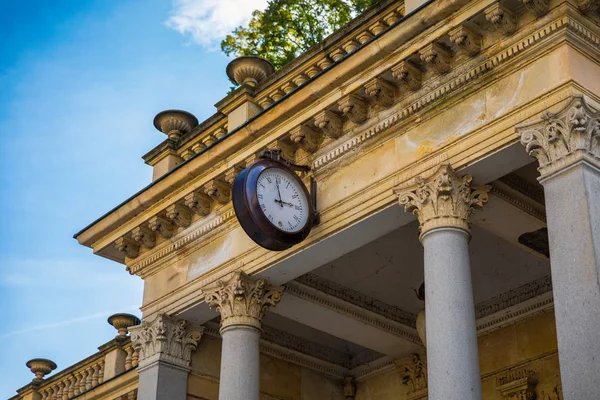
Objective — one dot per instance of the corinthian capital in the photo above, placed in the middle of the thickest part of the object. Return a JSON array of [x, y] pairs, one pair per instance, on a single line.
[[443, 200], [242, 300], [165, 339], [562, 139]]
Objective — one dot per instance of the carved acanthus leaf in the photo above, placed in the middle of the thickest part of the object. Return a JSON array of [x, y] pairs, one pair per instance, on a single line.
[[413, 372], [165, 340], [539, 7], [502, 18], [306, 138], [437, 57], [242, 300], [144, 236], [198, 202], [382, 92], [442, 200], [561, 139], [162, 226], [180, 215], [408, 75], [128, 247], [218, 190], [329, 123], [354, 108], [466, 40]]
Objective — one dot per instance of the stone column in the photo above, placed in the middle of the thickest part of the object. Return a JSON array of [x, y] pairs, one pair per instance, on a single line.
[[242, 303], [165, 348], [567, 147], [442, 203]]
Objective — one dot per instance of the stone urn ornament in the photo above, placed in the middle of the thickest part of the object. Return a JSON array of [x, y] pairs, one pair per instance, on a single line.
[[175, 123], [249, 70], [40, 367], [122, 322]]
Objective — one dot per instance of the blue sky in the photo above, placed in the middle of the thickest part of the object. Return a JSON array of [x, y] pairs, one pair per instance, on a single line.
[[80, 84]]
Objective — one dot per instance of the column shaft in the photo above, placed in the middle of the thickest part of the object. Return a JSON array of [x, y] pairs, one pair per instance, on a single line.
[[162, 381], [240, 363], [452, 356], [573, 213]]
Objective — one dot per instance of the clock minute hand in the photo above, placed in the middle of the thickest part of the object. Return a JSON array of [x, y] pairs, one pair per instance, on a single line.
[[279, 193]]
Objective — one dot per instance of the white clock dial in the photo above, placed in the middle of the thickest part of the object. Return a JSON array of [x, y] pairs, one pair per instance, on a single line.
[[282, 200]]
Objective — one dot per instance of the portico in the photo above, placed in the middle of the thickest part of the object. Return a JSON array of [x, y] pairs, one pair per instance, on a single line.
[[455, 145]]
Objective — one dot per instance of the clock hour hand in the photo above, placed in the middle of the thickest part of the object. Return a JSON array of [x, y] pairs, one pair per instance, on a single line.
[[283, 202]]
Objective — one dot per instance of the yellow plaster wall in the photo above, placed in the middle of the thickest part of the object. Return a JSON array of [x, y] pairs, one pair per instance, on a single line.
[[530, 344], [279, 379]]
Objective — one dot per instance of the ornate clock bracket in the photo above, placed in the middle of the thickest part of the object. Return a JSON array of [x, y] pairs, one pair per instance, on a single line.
[[275, 155]]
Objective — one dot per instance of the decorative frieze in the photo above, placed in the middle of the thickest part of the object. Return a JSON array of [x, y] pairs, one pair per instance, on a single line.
[[414, 375], [517, 385], [305, 138], [380, 91], [232, 173], [354, 108], [329, 123], [408, 75], [502, 18], [562, 139], [466, 40], [144, 236], [588, 6], [436, 56], [442, 200], [162, 226], [127, 246], [242, 300], [218, 190], [199, 203], [539, 7], [180, 215], [165, 340]]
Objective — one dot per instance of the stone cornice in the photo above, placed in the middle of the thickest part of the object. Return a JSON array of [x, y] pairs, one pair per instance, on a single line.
[[451, 86]]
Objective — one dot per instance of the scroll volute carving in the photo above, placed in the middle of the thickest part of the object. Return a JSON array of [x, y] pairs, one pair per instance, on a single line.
[[163, 227], [380, 91], [218, 190], [180, 215], [199, 203], [144, 236], [306, 138], [354, 108], [329, 123], [127, 246], [468, 42], [437, 57], [413, 372], [408, 75], [501, 18]]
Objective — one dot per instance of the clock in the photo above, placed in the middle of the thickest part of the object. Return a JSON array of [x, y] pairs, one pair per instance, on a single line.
[[272, 205]]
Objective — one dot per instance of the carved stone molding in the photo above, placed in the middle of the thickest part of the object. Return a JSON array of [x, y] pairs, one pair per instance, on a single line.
[[242, 300], [305, 138], [382, 92], [414, 375], [162, 226], [128, 246], [349, 388], [165, 340], [180, 215], [562, 139], [466, 40], [286, 146], [588, 6], [437, 57], [329, 123], [539, 7], [218, 190], [144, 236], [442, 200], [198, 202], [517, 385], [502, 18], [232, 173], [407, 75], [354, 108]]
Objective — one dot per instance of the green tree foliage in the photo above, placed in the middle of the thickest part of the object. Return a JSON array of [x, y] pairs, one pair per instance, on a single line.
[[288, 28]]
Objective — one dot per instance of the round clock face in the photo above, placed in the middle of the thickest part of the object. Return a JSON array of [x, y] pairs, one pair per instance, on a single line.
[[272, 205], [282, 199]]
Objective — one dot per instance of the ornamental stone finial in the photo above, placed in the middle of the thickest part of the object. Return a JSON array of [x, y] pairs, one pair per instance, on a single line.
[[442, 200], [123, 321], [165, 339], [40, 367], [242, 300], [561, 139]]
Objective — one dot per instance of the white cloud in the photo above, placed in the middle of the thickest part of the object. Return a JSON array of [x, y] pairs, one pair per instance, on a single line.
[[209, 21]]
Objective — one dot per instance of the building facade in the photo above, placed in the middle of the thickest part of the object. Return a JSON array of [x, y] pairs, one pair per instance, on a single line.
[[454, 150]]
